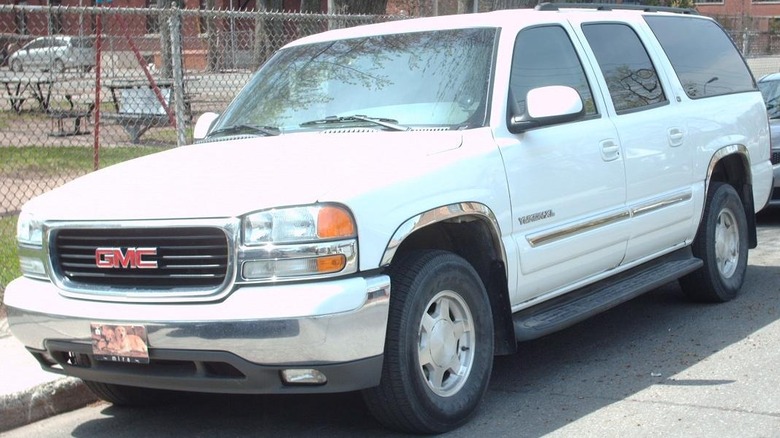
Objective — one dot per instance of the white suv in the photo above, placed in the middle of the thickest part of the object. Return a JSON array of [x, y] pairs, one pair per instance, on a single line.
[[387, 207]]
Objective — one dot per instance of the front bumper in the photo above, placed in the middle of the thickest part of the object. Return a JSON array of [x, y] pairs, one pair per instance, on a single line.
[[237, 345]]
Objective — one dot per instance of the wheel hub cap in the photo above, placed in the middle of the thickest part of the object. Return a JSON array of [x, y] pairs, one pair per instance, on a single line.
[[443, 343], [726, 243], [446, 343]]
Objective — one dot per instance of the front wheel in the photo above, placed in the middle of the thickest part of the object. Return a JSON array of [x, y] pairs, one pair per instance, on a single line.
[[439, 346], [130, 396], [722, 243]]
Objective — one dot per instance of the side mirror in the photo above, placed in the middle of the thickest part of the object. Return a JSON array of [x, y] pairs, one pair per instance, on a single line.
[[203, 125], [546, 106]]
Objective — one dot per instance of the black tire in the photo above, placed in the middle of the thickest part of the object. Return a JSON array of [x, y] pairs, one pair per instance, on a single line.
[[130, 396], [17, 66], [419, 393], [722, 243]]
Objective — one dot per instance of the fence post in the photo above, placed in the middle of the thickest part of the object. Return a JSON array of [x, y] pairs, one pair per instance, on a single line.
[[178, 77]]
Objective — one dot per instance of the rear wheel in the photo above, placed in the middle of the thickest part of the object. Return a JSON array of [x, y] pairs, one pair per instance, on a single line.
[[722, 243], [121, 395], [58, 66], [439, 346]]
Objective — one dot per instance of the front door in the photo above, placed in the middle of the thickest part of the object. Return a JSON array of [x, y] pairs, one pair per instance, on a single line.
[[567, 181]]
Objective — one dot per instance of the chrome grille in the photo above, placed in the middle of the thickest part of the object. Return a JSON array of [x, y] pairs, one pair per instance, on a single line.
[[192, 257]]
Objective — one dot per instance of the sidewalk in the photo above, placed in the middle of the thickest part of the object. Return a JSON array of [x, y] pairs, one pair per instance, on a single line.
[[29, 394]]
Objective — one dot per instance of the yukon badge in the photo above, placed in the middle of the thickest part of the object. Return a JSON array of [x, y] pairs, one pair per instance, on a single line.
[[536, 217], [131, 258]]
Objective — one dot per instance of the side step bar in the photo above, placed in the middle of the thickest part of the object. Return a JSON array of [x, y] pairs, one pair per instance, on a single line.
[[576, 306]]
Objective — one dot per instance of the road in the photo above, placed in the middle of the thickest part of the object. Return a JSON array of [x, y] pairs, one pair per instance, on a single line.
[[656, 366]]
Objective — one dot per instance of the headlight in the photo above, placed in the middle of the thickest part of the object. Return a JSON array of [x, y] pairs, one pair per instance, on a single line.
[[29, 231], [298, 242], [29, 234], [298, 224]]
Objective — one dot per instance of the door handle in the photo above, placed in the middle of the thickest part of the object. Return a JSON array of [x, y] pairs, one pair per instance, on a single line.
[[610, 150], [676, 137]]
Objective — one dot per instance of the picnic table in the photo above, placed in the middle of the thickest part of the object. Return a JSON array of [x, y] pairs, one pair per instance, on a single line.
[[17, 88], [73, 112], [137, 107]]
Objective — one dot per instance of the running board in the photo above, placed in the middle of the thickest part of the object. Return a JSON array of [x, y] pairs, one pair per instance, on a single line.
[[573, 307]]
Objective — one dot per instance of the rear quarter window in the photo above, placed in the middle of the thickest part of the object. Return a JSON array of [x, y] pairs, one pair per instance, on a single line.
[[704, 58]]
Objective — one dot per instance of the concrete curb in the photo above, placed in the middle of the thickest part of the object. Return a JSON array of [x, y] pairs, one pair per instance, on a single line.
[[43, 401], [29, 394]]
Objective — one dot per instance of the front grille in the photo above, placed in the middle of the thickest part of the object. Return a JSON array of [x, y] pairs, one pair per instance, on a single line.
[[193, 257], [775, 157]]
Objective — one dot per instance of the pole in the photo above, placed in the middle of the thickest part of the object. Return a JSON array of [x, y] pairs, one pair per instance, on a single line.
[[178, 80], [98, 50]]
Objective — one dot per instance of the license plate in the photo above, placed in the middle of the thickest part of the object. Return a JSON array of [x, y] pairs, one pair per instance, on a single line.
[[120, 343]]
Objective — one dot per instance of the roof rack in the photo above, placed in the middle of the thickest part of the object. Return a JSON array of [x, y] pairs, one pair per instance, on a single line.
[[612, 6]]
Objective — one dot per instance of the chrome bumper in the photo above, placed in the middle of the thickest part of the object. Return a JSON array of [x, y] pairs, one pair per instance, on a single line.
[[270, 328]]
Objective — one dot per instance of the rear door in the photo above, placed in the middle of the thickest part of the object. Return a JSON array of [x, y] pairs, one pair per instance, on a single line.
[[653, 132]]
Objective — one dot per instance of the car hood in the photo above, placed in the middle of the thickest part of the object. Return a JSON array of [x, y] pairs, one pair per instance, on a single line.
[[234, 177]]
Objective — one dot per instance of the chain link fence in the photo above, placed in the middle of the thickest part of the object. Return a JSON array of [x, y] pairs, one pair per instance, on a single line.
[[84, 88], [758, 38], [72, 105]]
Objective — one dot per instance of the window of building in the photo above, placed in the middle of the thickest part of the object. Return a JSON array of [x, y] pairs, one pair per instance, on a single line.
[[55, 17], [152, 20], [21, 19], [630, 75]]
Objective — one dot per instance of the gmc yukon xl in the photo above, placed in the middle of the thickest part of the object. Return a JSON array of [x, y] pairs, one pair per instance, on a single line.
[[386, 208]]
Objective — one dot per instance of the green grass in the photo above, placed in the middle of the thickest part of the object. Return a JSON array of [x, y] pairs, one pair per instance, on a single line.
[[9, 260], [67, 159]]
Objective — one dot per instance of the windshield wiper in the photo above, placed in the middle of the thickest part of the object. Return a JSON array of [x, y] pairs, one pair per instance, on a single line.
[[387, 123], [251, 129]]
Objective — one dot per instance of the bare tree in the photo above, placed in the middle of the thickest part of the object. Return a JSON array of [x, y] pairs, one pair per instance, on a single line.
[[370, 7], [212, 38], [262, 46], [165, 41], [513, 4]]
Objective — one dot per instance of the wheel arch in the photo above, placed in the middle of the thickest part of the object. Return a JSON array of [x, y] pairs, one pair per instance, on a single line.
[[471, 231], [731, 165]]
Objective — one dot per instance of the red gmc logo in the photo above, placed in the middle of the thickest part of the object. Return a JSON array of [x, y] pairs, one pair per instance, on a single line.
[[132, 258]]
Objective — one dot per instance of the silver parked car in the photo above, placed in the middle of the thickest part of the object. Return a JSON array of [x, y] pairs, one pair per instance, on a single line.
[[54, 53], [770, 89]]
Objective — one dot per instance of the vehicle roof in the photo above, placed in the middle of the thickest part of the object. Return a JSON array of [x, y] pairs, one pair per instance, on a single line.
[[508, 18], [770, 77]]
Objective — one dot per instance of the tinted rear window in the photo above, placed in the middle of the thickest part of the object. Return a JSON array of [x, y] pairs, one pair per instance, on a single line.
[[703, 56]]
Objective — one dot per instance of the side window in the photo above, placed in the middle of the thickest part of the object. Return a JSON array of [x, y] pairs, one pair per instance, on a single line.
[[545, 56], [37, 44], [631, 78], [702, 55]]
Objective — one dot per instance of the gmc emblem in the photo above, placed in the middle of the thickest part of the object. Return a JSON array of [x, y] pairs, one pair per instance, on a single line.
[[132, 258]]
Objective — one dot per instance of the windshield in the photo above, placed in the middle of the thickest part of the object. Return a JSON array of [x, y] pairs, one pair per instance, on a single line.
[[424, 79], [771, 92]]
